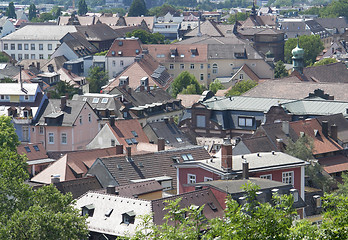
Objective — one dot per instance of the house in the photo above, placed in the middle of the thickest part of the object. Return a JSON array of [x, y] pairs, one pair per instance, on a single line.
[[113, 216], [6, 27], [122, 54], [23, 102], [72, 165], [65, 125], [73, 80], [124, 169], [125, 132], [145, 71], [275, 166], [23, 44], [37, 158], [168, 130], [168, 26], [335, 26], [234, 188]]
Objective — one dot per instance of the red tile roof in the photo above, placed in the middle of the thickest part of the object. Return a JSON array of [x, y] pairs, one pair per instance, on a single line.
[[312, 129], [127, 48], [334, 164], [34, 154]]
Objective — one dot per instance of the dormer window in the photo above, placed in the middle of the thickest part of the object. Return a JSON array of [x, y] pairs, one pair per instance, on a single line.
[[120, 43], [128, 217], [113, 53], [120, 53], [137, 51], [88, 209]]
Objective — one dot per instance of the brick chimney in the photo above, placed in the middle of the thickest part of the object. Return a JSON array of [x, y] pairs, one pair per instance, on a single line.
[[110, 189], [112, 121], [129, 153], [226, 155], [333, 131], [325, 128], [280, 145], [119, 149], [55, 178], [160, 144], [62, 103], [245, 167]]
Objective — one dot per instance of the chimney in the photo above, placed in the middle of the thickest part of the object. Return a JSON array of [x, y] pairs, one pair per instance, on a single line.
[[110, 189], [119, 149], [55, 178], [333, 130], [245, 173], [38, 66], [286, 127], [112, 121], [166, 120], [325, 128], [280, 145], [62, 103], [129, 90], [226, 155], [129, 153], [171, 120], [160, 144], [142, 88]]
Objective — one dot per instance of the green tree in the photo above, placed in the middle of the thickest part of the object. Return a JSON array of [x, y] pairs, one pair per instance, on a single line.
[[215, 86], [146, 37], [11, 11], [63, 88], [312, 46], [162, 10], [183, 81], [6, 80], [318, 178], [56, 12], [239, 16], [3, 57], [96, 78], [325, 61], [8, 136], [101, 53], [279, 70], [137, 8], [302, 148], [241, 87], [32, 11], [82, 7]]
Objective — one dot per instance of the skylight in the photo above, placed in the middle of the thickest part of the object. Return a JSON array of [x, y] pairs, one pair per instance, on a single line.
[[27, 149], [179, 139], [104, 100], [36, 148], [134, 133], [129, 142], [95, 100]]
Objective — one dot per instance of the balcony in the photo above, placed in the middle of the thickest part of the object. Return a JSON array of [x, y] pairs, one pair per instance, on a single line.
[[22, 120]]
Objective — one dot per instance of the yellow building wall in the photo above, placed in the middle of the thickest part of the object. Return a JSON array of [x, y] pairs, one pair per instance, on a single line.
[[14, 98]]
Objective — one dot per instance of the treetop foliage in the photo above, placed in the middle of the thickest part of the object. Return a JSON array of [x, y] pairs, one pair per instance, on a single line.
[[96, 78], [325, 61], [146, 37], [137, 8], [241, 87], [186, 83], [280, 70]]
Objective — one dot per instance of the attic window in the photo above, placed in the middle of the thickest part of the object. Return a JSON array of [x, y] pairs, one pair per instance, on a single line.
[[104, 100], [108, 213], [194, 52], [120, 43], [84, 99], [113, 53], [137, 51], [88, 209], [36, 148], [119, 52], [179, 139], [175, 159], [27, 149], [128, 217], [95, 100], [134, 134], [119, 167], [129, 141], [134, 141], [212, 206], [316, 132], [187, 157]]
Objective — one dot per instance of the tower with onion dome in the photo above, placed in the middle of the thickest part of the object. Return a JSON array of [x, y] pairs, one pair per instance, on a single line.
[[297, 58]]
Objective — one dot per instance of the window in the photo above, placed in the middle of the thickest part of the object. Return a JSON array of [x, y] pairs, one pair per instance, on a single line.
[[13, 56], [121, 63], [5, 46], [89, 117], [25, 113], [182, 55], [266, 176], [49, 46], [50, 138], [95, 100], [36, 148], [192, 66], [134, 141], [134, 133], [191, 178], [40, 46], [113, 143], [208, 75], [27, 149], [241, 76], [288, 177], [64, 138], [171, 66], [25, 132], [202, 66], [125, 114], [128, 217], [80, 119], [245, 122], [179, 139], [26, 46], [32, 56], [137, 51], [41, 56], [207, 179], [26, 98], [26, 56], [41, 130], [13, 46], [129, 141], [105, 100], [208, 65], [113, 63], [200, 121], [19, 46], [182, 66], [88, 210], [202, 77], [32, 46], [187, 157], [20, 56], [215, 68]]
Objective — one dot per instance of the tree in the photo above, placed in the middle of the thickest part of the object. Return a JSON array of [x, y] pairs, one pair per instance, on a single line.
[[325, 61], [56, 12], [3, 57], [82, 7], [186, 80], [241, 87], [239, 16], [302, 148], [215, 86], [312, 46], [162, 10], [146, 37], [63, 88], [279, 70], [97, 78], [32, 11], [137, 8], [11, 11], [29, 214]]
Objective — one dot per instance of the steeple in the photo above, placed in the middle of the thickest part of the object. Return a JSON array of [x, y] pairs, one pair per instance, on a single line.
[[297, 58]]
